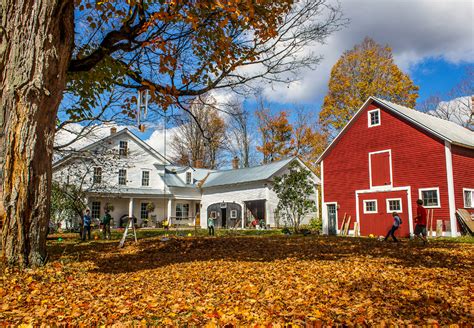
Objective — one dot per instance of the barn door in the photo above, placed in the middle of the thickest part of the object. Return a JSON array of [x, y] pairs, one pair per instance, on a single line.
[[380, 169]]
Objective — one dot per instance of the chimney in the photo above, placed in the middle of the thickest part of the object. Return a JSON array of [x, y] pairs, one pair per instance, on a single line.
[[113, 130], [197, 163], [235, 163]]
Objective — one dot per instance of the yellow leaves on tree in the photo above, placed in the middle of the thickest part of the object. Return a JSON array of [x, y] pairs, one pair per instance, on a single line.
[[281, 139], [366, 70]]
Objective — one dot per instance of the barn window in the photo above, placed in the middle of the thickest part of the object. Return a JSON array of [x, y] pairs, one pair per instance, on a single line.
[[374, 117], [370, 206], [394, 205], [430, 197], [233, 214], [468, 198], [213, 214]]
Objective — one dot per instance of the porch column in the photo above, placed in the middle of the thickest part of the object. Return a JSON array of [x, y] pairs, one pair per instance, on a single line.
[[130, 207], [168, 213]]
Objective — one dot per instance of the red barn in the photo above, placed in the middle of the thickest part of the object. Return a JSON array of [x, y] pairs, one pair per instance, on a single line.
[[386, 158]]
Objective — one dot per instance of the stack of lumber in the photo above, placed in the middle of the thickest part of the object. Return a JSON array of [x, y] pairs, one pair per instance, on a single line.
[[465, 221], [346, 222]]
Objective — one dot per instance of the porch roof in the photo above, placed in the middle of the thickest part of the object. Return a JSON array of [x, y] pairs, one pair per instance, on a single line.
[[131, 192]]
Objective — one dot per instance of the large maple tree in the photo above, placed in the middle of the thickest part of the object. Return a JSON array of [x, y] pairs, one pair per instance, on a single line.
[[175, 49], [366, 70]]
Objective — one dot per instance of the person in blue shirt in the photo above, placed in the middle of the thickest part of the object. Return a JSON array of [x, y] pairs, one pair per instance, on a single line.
[[86, 222], [396, 224]]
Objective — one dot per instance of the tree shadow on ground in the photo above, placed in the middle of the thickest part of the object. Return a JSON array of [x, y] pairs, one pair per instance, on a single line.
[[153, 253]]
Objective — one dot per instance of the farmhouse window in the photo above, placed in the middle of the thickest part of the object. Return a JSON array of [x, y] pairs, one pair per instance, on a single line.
[[145, 178], [182, 211], [233, 214], [374, 117], [430, 197], [394, 205], [122, 180], [188, 177], [468, 198], [97, 179], [143, 211], [370, 206], [123, 148], [95, 210]]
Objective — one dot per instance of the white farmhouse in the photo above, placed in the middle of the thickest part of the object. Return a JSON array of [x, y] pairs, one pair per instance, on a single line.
[[124, 173]]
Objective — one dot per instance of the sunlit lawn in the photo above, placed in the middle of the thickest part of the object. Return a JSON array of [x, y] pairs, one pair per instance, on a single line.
[[241, 280]]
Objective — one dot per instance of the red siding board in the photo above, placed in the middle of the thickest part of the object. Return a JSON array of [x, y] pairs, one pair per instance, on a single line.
[[463, 173], [418, 161]]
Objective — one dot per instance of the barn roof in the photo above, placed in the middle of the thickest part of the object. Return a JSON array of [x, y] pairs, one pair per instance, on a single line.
[[443, 129], [446, 130], [248, 174]]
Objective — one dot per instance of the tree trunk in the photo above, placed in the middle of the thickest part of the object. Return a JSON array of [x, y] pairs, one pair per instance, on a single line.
[[36, 40]]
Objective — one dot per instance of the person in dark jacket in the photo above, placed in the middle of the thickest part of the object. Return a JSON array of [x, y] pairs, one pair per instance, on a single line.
[[86, 221], [106, 225], [396, 224]]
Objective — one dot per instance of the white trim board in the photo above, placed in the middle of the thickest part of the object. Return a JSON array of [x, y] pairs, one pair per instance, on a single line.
[[451, 196]]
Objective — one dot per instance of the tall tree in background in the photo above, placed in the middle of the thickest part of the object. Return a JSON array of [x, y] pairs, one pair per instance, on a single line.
[[366, 70], [239, 135], [457, 105], [275, 132], [307, 141], [200, 135], [176, 49], [280, 138]]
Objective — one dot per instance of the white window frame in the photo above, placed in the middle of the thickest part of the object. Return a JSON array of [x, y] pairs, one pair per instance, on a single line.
[[124, 149], [369, 116], [389, 151], [147, 185], [420, 194], [97, 178], [472, 197], [388, 205], [376, 206], [95, 209], [182, 206], [144, 210], [125, 177], [233, 214]]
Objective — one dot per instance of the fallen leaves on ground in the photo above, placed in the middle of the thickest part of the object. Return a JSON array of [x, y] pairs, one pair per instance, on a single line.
[[241, 281]]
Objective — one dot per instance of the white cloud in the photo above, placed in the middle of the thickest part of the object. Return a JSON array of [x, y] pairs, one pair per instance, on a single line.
[[416, 30], [159, 138]]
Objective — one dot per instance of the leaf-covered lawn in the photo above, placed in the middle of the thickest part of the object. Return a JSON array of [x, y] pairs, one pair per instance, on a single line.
[[244, 280]]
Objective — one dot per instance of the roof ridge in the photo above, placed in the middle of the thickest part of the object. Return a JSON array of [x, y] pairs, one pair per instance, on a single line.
[[423, 113]]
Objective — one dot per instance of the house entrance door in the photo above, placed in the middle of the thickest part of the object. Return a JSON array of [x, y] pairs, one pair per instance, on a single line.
[[332, 219]]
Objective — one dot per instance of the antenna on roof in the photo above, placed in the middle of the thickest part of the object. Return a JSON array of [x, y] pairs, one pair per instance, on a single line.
[[142, 105]]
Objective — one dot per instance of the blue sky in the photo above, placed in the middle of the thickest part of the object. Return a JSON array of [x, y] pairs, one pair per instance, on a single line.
[[431, 40]]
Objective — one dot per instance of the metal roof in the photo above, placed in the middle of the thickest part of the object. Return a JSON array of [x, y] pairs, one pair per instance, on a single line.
[[243, 175], [443, 129], [446, 130], [130, 191]]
